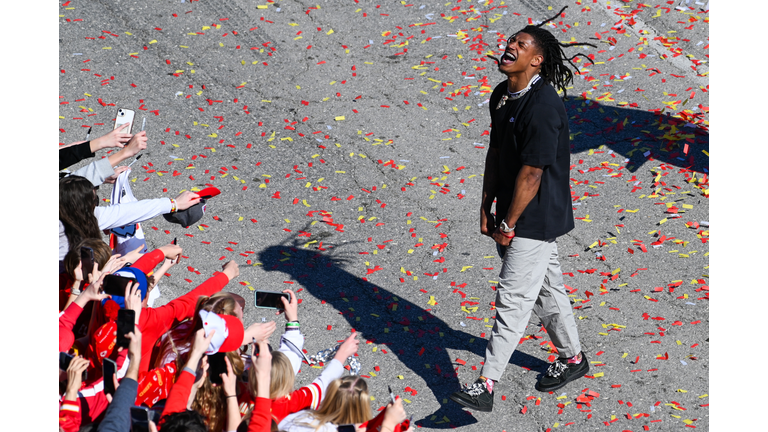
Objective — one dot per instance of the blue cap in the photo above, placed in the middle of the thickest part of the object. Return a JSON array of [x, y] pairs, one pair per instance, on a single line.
[[132, 273]]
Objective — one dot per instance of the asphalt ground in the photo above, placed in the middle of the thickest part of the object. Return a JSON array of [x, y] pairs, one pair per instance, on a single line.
[[348, 139]]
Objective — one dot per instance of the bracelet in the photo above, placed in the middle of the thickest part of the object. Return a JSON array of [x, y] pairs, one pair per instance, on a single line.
[[292, 324], [234, 396], [173, 205], [508, 236], [75, 291]]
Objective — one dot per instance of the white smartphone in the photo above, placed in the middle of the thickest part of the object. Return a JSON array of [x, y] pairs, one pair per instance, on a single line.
[[124, 116]]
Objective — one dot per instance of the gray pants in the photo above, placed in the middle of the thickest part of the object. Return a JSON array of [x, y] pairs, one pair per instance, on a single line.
[[530, 280]]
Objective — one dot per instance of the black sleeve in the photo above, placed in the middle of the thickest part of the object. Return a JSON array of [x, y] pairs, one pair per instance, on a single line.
[[71, 155], [539, 137]]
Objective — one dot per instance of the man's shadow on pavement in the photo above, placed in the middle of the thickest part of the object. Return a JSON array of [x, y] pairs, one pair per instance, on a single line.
[[639, 135], [322, 274]]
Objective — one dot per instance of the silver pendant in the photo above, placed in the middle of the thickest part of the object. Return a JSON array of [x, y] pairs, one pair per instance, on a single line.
[[502, 101]]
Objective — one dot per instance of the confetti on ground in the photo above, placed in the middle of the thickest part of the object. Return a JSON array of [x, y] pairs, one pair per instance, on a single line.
[[352, 136]]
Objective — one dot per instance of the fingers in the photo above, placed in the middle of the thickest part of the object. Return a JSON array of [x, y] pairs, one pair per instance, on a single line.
[[82, 364], [133, 293], [152, 426], [94, 273]]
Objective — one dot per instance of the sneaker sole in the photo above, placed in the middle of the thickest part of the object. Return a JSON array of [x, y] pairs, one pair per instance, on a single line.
[[563, 384], [464, 404]]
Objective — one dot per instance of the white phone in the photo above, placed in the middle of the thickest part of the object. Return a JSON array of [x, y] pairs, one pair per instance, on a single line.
[[124, 116]]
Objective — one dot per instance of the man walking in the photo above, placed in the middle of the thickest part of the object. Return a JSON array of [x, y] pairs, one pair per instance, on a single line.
[[527, 171]]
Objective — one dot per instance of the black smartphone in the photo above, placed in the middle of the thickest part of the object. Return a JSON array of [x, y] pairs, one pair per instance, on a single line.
[[125, 324], [64, 360], [346, 428], [270, 299], [216, 367], [86, 261], [115, 285], [139, 419], [109, 369]]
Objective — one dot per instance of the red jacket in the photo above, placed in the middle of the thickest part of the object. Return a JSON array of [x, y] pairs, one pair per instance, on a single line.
[[260, 418], [69, 416], [154, 322], [67, 321], [179, 396]]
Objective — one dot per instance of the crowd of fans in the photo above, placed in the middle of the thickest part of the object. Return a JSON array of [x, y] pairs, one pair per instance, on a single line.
[[156, 360]]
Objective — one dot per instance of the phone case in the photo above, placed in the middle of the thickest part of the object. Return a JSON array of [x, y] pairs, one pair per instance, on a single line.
[[125, 116]]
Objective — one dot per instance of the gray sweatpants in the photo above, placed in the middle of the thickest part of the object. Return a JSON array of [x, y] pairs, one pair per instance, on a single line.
[[530, 280]]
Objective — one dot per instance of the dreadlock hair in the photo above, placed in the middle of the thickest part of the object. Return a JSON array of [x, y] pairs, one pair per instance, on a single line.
[[553, 70]]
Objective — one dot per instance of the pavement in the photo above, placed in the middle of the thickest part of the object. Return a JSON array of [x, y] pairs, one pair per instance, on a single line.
[[348, 139]]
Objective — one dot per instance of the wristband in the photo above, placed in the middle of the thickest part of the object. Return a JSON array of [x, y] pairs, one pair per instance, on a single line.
[[173, 205], [508, 236], [292, 324]]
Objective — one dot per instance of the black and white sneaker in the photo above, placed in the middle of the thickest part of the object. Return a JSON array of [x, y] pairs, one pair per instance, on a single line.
[[561, 373], [476, 397]]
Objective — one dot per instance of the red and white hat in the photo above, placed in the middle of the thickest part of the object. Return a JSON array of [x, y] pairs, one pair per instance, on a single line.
[[229, 332]]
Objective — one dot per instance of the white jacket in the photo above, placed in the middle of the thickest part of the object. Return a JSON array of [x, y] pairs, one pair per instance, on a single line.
[[118, 215], [303, 422]]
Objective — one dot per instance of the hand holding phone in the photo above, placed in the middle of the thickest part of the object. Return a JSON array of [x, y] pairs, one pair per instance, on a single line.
[[270, 299], [124, 116], [76, 367]]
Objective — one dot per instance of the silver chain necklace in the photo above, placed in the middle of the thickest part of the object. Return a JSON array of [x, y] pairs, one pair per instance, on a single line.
[[517, 95]]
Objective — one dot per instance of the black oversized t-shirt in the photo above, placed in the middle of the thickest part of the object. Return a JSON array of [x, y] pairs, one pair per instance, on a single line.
[[533, 130]]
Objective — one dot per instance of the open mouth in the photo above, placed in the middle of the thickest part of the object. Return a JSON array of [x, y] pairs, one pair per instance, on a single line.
[[508, 58]]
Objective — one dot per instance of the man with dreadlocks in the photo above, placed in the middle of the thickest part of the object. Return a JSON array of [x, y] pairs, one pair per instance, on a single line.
[[526, 170]]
